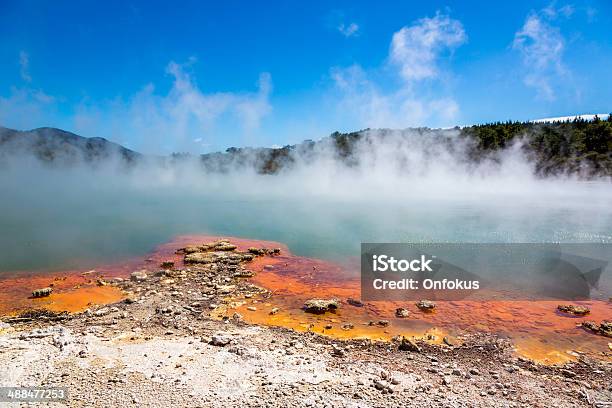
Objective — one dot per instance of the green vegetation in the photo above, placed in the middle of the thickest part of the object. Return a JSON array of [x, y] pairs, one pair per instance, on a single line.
[[577, 147], [570, 147]]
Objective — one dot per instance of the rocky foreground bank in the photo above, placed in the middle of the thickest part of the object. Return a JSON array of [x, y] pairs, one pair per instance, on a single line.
[[172, 343]]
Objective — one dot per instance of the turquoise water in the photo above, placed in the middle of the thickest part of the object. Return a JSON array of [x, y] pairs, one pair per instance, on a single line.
[[78, 228], [50, 220]]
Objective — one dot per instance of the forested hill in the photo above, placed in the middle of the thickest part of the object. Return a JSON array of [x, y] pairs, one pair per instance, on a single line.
[[574, 147], [558, 147]]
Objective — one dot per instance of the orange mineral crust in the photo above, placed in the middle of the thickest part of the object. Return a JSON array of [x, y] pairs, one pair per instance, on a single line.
[[76, 290], [536, 329], [72, 292]]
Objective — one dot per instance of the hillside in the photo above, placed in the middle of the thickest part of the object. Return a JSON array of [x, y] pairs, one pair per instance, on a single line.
[[58, 146], [577, 147], [571, 147]]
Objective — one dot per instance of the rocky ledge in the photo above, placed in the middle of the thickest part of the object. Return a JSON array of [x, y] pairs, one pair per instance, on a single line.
[[171, 342]]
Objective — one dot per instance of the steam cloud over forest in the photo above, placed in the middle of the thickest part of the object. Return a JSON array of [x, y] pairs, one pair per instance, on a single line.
[[550, 180]]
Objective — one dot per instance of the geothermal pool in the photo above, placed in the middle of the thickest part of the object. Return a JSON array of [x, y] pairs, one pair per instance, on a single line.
[[58, 225], [50, 230]]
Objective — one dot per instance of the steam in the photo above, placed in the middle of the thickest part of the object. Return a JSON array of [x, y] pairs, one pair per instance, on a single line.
[[398, 186]]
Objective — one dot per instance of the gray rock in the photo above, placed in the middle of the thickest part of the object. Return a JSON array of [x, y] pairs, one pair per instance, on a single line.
[[102, 312], [220, 340], [337, 351], [139, 276], [568, 373]]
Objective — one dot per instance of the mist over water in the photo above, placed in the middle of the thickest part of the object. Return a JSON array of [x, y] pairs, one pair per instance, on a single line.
[[403, 188]]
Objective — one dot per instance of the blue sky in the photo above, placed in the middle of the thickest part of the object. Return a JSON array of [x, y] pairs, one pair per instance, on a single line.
[[203, 76]]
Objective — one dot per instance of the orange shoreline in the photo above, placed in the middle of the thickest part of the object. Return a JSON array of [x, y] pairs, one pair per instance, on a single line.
[[535, 328]]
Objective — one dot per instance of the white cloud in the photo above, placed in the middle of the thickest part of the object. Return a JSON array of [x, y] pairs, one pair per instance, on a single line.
[[149, 120], [253, 108], [413, 55], [541, 46], [372, 107], [348, 30], [22, 105], [24, 64], [416, 48], [173, 121], [552, 12], [591, 14]]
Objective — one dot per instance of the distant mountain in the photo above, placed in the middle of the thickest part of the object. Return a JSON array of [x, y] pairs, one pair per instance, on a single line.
[[59, 146]]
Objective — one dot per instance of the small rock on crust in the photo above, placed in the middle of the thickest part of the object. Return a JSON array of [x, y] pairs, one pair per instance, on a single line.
[[354, 302], [409, 345], [44, 292], [138, 276], [588, 325], [337, 351], [167, 264], [320, 306], [605, 328], [225, 247], [256, 251], [568, 373], [574, 309], [199, 257], [220, 340], [426, 305], [401, 312]]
